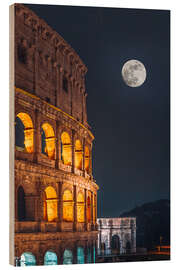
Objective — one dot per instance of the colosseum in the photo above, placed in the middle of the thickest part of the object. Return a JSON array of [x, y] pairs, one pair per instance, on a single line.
[[55, 192]]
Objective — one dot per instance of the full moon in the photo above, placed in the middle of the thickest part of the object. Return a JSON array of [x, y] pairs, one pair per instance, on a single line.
[[133, 73]]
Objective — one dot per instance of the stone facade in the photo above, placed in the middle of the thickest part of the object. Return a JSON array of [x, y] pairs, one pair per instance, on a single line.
[[55, 192], [116, 235]]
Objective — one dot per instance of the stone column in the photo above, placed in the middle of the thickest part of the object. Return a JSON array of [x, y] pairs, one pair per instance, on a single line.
[[92, 251], [75, 254], [37, 136], [73, 154], [36, 71], [75, 208], [90, 163], [57, 82], [83, 157], [58, 152], [85, 209], [92, 225], [86, 252], [30, 207], [60, 205], [59, 85], [36, 206], [71, 90], [96, 210]]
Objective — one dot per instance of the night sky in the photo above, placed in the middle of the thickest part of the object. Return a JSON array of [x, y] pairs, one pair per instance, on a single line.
[[131, 125]]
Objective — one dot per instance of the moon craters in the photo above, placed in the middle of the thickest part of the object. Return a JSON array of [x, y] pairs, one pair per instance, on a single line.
[[133, 73]]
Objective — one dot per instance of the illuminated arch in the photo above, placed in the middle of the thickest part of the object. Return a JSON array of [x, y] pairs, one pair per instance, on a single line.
[[27, 259], [80, 207], [66, 149], [80, 255], [50, 204], [24, 131], [88, 209], [48, 140], [50, 258], [67, 205], [78, 154], [87, 159], [67, 257]]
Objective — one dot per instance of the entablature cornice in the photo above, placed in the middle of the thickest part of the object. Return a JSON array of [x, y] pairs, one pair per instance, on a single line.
[[43, 30], [41, 172]]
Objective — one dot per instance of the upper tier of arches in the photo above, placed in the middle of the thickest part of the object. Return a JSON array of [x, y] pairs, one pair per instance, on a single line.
[[66, 147]]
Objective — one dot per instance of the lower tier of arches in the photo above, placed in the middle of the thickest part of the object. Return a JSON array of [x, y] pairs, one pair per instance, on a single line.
[[56, 252]]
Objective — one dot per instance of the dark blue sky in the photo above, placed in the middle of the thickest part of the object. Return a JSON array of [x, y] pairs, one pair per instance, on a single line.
[[131, 125]]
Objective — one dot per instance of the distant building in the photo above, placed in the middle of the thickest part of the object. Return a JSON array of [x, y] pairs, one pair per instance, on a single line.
[[116, 235]]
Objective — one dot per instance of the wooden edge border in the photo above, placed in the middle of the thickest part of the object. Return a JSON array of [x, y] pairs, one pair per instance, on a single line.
[[11, 133]]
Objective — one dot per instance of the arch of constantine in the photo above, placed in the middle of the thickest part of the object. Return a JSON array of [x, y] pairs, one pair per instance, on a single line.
[[55, 192], [116, 235]]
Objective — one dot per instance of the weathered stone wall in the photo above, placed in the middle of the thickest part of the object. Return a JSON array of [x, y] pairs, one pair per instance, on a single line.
[[47, 66], [50, 96]]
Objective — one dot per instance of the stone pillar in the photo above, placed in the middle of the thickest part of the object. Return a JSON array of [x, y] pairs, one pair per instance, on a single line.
[[86, 252], [83, 157], [36, 206], [73, 154], [71, 90], [75, 254], [60, 205], [90, 163], [92, 225], [92, 251], [95, 210], [36, 71], [57, 83], [60, 255], [30, 207], [58, 152], [75, 208], [37, 136], [85, 209]]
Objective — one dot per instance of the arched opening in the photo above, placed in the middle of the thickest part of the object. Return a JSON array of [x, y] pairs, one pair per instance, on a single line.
[[27, 259], [48, 140], [78, 155], [80, 207], [67, 205], [87, 159], [66, 149], [128, 247], [50, 258], [50, 204], [67, 257], [115, 244], [24, 133], [80, 255], [21, 204]]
